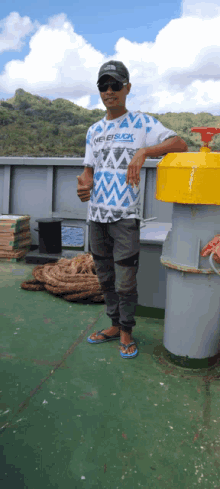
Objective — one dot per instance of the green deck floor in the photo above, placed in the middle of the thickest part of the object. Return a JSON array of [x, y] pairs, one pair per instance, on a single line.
[[75, 415]]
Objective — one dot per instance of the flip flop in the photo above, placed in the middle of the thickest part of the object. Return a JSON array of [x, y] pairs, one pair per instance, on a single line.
[[126, 355], [107, 338]]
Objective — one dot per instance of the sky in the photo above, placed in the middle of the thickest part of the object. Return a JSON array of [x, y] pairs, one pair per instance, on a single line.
[[171, 50]]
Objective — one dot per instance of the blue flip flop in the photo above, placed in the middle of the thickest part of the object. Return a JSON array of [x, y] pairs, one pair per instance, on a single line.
[[107, 338], [126, 355]]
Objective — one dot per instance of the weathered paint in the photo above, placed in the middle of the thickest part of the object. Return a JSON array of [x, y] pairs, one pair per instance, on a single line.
[[185, 268], [191, 178]]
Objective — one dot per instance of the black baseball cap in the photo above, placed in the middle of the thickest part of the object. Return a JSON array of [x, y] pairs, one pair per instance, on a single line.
[[116, 69]]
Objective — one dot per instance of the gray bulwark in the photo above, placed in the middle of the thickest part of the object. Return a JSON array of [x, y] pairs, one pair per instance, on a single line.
[[47, 188]]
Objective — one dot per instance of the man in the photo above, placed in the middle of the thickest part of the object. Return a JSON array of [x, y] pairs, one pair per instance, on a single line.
[[116, 149]]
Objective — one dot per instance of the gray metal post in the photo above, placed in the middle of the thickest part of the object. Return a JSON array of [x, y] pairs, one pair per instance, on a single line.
[[192, 312]]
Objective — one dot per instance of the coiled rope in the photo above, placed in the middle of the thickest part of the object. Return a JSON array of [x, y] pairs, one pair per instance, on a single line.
[[72, 279]]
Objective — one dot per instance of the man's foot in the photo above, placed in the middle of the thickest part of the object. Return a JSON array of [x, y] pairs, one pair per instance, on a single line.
[[126, 338], [110, 332]]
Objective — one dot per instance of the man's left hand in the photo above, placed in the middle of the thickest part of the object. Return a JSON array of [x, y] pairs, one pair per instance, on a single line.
[[134, 168]]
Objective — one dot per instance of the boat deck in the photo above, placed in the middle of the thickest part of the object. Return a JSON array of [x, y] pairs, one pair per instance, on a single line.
[[76, 415]]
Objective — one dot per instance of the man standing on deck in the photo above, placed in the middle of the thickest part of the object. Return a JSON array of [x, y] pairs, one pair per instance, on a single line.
[[116, 149]]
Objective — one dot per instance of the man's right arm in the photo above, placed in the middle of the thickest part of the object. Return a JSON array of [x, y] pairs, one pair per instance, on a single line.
[[85, 184], [88, 171], [85, 180]]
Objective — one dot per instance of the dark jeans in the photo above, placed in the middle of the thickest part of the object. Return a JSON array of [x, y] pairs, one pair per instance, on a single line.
[[115, 248]]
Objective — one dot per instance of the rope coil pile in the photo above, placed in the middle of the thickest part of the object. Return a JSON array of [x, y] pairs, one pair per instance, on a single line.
[[72, 279]]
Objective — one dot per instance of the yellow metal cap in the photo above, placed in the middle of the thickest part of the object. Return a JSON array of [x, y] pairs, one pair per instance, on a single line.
[[190, 178]]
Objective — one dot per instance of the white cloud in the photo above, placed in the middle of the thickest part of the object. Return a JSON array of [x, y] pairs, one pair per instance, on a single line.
[[178, 72], [59, 61], [82, 101], [201, 9], [13, 29]]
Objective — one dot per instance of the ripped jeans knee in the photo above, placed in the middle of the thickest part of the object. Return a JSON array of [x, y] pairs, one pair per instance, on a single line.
[[120, 275], [126, 271]]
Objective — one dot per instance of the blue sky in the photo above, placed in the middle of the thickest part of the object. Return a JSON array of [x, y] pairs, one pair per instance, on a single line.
[[170, 48], [100, 23]]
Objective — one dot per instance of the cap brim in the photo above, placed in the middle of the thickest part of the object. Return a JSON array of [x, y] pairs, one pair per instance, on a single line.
[[114, 75]]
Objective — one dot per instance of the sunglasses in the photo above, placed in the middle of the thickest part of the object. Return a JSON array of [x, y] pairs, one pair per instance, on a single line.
[[116, 86]]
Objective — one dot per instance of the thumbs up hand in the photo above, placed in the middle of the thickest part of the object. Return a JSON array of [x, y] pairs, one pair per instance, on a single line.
[[85, 184]]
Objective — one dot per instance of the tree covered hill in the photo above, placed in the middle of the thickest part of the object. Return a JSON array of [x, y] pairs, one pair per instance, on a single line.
[[31, 125]]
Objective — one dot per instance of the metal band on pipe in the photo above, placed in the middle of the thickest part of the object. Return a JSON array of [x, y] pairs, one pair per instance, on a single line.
[[185, 268]]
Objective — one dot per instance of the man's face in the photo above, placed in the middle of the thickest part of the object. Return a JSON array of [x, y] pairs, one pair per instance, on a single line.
[[114, 99]]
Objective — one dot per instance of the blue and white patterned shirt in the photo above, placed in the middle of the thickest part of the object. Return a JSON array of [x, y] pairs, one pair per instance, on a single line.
[[110, 147]]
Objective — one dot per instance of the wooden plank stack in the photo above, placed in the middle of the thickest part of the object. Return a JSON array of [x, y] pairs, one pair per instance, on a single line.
[[15, 236]]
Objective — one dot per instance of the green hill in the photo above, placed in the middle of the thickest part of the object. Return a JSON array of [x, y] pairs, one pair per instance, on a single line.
[[35, 126]]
